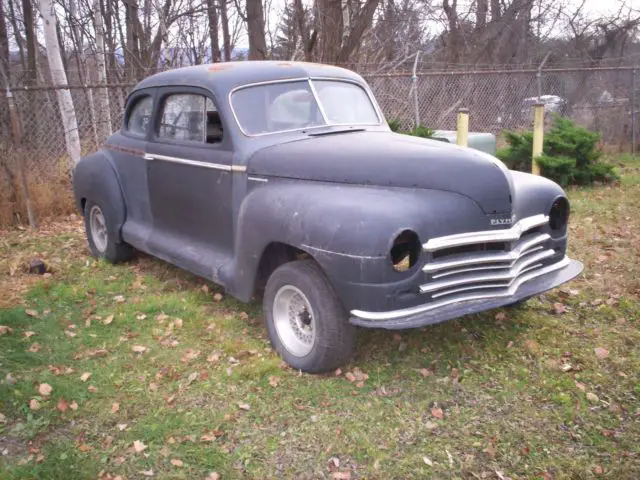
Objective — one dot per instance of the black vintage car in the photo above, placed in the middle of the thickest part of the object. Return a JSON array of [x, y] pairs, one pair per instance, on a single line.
[[283, 180]]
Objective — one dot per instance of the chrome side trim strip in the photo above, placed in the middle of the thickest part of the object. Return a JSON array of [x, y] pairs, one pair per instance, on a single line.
[[195, 163], [487, 277], [484, 257], [395, 314], [470, 238], [258, 179]]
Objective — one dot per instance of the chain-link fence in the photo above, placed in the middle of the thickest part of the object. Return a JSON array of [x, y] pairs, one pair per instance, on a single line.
[[601, 99]]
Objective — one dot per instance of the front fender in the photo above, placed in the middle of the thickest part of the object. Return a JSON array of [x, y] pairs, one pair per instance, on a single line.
[[347, 229], [95, 179]]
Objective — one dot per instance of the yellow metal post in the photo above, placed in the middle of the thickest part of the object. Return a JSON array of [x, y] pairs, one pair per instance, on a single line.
[[538, 136], [462, 136]]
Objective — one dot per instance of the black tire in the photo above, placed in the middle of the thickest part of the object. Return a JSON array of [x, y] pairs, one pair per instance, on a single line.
[[334, 337], [114, 249]]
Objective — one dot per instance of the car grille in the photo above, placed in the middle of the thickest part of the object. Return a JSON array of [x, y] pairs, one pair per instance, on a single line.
[[486, 264]]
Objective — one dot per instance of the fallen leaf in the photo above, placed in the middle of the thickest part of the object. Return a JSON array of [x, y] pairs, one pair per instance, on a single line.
[[427, 461], [177, 463], [85, 376], [244, 316], [350, 376], [122, 426], [73, 406], [29, 334], [532, 347], [63, 405], [34, 348], [92, 389], [592, 397], [581, 386], [115, 407], [425, 372], [273, 381], [32, 313], [69, 333], [45, 389], [210, 436], [108, 320], [437, 412], [501, 316], [34, 404], [119, 299], [429, 425], [139, 349], [213, 476], [9, 379], [153, 387], [139, 447], [601, 353], [178, 323], [559, 308], [243, 406], [190, 355], [147, 473], [341, 475], [3, 419], [217, 297], [4, 330], [165, 452], [191, 378], [338, 372], [598, 470], [214, 357]]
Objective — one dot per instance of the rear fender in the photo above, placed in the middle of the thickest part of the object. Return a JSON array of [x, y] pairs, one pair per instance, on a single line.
[[95, 179]]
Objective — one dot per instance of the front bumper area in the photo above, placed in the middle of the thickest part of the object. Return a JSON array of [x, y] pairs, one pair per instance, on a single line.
[[526, 286]]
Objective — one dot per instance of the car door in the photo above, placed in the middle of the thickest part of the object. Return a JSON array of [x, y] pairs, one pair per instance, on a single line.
[[127, 148], [189, 180]]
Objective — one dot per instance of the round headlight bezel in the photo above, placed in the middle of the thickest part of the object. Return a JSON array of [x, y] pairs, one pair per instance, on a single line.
[[559, 217]]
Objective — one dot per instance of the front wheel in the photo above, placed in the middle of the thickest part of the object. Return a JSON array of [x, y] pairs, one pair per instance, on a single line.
[[103, 240], [305, 320]]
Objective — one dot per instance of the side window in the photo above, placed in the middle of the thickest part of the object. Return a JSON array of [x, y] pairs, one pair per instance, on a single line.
[[140, 116], [190, 117]]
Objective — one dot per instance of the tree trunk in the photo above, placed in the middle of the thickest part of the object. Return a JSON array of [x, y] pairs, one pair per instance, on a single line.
[[481, 14], [4, 65], [59, 78], [495, 10], [212, 13], [16, 33], [226, 37], [102, 95], [32, 68], [255, 28], [359, 24]]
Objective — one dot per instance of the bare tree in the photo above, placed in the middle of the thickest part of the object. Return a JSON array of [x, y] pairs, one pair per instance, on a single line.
[[102, 97], [59, 79], [226, 37], [212, 13], [255, 29]]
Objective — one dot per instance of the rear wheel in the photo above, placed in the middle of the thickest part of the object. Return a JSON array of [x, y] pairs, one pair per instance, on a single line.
[[103, 240], [306, 321]]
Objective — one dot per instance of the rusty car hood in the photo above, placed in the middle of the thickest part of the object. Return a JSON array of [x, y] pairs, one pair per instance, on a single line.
[[392, 160]]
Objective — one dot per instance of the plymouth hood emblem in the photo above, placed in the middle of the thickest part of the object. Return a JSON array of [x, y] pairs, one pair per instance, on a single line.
[[502, 220]]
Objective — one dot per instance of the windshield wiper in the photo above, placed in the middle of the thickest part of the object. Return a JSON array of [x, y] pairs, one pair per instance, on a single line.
[[333, 130]]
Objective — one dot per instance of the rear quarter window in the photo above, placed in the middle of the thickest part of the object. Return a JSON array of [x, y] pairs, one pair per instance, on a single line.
[[139, 118]]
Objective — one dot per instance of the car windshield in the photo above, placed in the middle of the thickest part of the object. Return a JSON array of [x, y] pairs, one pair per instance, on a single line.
[[281, 106]]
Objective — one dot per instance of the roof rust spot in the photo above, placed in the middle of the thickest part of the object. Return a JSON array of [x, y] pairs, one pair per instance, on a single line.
[[218, 67], [285, 64]]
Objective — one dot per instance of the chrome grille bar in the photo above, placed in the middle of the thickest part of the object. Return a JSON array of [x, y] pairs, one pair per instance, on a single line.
[[470, 238], [510, 275], [522, 248]]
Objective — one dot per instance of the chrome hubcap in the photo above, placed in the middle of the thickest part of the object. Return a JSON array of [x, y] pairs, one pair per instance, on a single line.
[[294, 320], [98, 227]]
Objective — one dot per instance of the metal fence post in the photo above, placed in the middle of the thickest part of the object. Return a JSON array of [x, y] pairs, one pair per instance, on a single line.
[[414, 81], [633, 112], [538, 136], [462, 135]]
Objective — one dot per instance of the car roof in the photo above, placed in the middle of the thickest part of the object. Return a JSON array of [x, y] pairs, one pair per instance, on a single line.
[[221, 78]]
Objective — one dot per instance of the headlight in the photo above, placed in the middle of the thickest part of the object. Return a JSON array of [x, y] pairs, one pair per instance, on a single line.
[[559, 217], [405, 251]]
